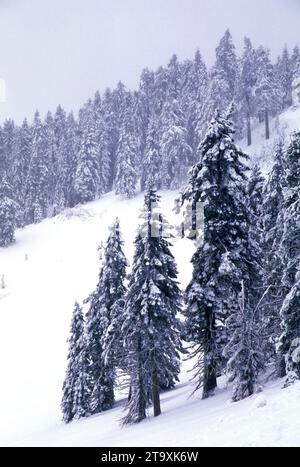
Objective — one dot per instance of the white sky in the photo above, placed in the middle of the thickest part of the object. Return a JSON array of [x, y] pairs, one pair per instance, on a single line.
[[61, 51]]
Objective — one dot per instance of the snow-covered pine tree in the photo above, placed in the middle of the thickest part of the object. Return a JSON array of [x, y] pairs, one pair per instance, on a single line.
[[151, 163], [295, 62], [105, 165], [151, 329], [76, 389], [226, 256], [291, 252], [126, 157], [38, 180], [145, 106], [176, 154], [246, 80], [267, 100], [8, 213], [8, 136], [273, 261], [86, 180], [70, 161], [103, 336], [21, 162], [290, 339], [255, 187], [194, 87], [244, 350], [223, 75], [284, 76]]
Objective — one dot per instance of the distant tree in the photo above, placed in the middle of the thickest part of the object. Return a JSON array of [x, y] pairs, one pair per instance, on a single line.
[[284, 75], [266, 89], [246, 81], [295, 62], [126, 171], [151, 163], [8, 212], [176, 154], [86, 180], [38, 180]]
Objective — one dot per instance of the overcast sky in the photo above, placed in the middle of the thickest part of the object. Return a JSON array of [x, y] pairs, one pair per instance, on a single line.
[[61, 51]]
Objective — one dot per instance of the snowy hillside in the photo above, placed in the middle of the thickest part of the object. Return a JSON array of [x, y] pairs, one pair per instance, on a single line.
[[261, 151], [52, 264]]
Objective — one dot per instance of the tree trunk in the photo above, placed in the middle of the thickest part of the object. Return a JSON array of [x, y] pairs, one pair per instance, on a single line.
[[129, 394], [210, 381], [280, 366], [249, 135], [267, 124], [155, 392]]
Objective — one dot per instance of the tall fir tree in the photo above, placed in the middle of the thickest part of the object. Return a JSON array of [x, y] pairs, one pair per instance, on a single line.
[[151, 328], [226, 256], [104, 158], [273, 262], [291, 253], [101, 351]]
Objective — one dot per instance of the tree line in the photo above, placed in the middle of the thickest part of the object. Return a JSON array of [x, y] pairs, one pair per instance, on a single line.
[[123, 139]]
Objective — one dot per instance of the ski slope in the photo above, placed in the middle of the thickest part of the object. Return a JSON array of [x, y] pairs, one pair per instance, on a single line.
[[261, 151], [56, 262]]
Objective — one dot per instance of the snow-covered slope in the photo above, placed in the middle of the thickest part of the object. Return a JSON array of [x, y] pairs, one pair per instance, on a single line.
[[56, 262], [261, 151]]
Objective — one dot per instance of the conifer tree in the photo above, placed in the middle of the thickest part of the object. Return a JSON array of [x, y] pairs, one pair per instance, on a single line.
[[291, 253], [295, 62], [101, 345], [224, 73], [226, 256], [126, 173], [284, 75], [22, 156], [151, 163], [273, 261], [151, 329], [38, 181], [246, 81], [244, 350], [75, 399], [86, 180], [8, 213], [176, 154], [266, 89], [105, 165]]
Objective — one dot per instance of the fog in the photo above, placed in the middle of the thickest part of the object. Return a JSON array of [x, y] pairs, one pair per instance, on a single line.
[[62, 51]]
